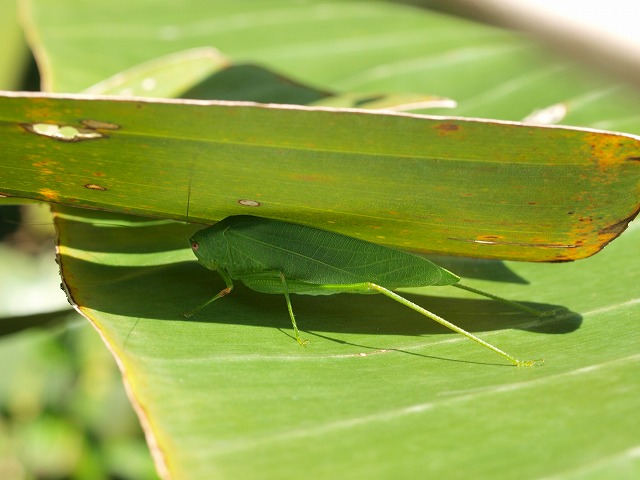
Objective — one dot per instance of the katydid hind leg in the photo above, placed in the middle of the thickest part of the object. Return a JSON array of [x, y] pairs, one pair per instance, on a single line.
[[285, 289], [455, 328]]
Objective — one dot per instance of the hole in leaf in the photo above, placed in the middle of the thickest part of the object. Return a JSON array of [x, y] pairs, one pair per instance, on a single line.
[[248, 203], [64, 133]]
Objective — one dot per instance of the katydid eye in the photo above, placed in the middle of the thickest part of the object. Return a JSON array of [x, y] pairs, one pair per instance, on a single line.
[[194, 246]]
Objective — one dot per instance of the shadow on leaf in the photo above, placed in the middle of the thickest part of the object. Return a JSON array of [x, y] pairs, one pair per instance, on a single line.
[[165, 292]]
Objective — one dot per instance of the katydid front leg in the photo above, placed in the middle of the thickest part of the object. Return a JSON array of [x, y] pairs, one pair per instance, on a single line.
[[225, 291]]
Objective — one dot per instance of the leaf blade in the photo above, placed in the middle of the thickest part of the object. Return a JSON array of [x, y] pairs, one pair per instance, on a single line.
[[562, 184]]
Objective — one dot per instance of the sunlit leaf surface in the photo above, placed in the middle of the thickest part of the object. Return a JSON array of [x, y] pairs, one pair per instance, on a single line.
[[380, 392]]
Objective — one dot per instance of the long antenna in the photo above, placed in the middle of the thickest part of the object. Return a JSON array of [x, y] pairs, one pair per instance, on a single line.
[[189, 193]]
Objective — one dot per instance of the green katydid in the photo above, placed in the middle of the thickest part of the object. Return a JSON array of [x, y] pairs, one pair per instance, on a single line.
[[272, 256]]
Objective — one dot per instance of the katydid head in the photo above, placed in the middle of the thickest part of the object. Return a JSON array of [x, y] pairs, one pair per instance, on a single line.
[[209, 246]]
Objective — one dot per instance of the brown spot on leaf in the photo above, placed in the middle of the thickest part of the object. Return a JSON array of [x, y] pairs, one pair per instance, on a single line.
[[313, 178], [97, 124], [619, 227], [43, 167], [447, 127], [49, 194], [610, 150], [483, 241], [94, 186]]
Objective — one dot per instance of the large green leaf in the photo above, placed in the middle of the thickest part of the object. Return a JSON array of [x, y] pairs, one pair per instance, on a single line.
[[380, 392], [335, 167], [439, 185]]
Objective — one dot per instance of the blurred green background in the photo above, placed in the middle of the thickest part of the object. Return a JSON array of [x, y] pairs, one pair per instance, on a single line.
[[63, 409]]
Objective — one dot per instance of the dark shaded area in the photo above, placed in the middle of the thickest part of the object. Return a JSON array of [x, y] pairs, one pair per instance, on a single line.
[[256, 84], [31, 76], [483, 269], [10, 218], [362, 102], [9, 325], [144, 236], [170, 290]]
